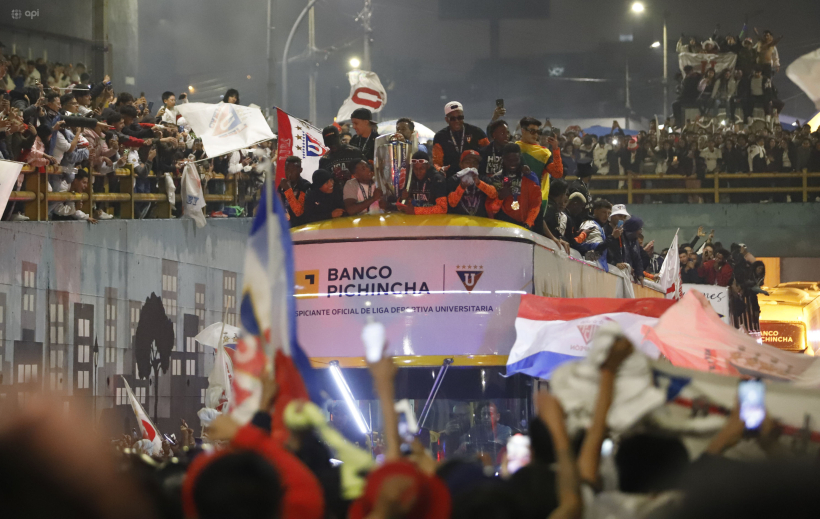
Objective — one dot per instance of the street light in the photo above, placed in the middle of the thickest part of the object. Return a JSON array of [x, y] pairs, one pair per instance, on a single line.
[[355, 63], [639, 8]]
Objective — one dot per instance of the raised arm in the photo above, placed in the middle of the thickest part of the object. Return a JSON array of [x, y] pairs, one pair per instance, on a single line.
[[384, 375], [590, 456], [568, 487]]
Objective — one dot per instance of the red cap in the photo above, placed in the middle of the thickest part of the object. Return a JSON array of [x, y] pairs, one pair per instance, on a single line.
[[430, 495], [468, 153]]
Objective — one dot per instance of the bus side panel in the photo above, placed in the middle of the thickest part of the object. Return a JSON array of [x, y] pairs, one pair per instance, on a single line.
[[559, 277]]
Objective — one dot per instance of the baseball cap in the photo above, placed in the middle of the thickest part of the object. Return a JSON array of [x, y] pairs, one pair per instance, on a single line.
[[362, 113], [452, 106], [578, 196], [468, 153], [619, 209], [330, 133]]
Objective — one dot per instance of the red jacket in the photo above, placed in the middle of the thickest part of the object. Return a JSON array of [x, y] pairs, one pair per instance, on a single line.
[[303, 495], [722, 277]]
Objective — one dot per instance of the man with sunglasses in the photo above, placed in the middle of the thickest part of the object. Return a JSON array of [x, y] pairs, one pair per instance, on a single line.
[[426, 192], [541, 161], [455, 139]]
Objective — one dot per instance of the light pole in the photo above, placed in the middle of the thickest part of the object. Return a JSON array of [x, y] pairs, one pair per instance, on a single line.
[[638, 8], [287, 48], [94, 383]]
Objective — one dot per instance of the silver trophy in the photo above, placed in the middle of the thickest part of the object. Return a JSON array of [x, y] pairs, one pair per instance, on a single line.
[[392, 164]]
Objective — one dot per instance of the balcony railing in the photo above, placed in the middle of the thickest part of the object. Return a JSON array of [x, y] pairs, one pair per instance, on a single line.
[[36, 196]]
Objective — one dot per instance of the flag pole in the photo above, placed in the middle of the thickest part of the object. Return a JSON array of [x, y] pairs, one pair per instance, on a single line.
[[222, 332], [269, 222]]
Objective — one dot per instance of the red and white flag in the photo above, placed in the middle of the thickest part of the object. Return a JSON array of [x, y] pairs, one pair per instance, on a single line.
[[300, 139], [703, 62], [691, 335], [366, 91], [551, 331], [669, 278], [147, 427]]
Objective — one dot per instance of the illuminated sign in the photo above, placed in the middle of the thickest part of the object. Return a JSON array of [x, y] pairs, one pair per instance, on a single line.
[[786, 336]]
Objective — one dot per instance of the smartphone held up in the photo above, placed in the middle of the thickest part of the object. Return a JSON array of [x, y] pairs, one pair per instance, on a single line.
[[752, 399]]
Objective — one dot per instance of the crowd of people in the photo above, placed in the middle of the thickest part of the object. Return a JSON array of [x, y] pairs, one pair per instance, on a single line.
[[51, 114], [290, 462]]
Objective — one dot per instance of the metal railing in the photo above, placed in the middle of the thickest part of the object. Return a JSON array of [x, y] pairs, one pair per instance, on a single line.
[[36, 196], [712, 180]]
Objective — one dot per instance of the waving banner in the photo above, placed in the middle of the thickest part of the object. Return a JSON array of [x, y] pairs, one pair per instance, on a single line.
[[366, 91], [805, 72], [193, 201], [226, 127], [9, 173]]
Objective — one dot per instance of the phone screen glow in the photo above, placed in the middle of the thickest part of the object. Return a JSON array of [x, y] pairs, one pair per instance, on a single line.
[[751, 394]]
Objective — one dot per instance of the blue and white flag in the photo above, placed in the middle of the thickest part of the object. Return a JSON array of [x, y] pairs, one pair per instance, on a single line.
[[193, 201], [268, 318]]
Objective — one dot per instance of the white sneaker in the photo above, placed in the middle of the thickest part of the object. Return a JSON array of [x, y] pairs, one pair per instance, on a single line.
[[102, 215], [19, 217], [788, 198]]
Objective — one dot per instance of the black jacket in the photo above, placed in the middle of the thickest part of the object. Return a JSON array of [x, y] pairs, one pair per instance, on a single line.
[[338, 162], [689, 88], [319, 206], [447, 153], [365, 145]]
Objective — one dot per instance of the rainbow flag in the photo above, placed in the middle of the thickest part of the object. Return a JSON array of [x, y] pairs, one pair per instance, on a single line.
[[536, 157]]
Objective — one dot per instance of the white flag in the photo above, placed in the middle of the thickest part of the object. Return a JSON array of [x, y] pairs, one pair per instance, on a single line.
[[226, 127], [192, 198], [210, 335], [805, 72], [219, 394], [669, 278], [9, 171], [703, 62], [300, 139], [366, 91], [147, 427]]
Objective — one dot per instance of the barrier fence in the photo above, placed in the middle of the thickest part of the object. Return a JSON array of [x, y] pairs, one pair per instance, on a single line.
[[117, 188], [35, 197]]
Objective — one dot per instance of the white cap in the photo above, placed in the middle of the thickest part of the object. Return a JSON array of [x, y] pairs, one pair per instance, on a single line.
[[452, 106], [619, 209]]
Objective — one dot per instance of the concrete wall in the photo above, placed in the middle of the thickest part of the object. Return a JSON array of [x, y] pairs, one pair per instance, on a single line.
[[102, 274], [773, 230], [799, 269]]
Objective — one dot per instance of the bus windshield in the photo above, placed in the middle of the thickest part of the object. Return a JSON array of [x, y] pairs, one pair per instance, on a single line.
[[475, 412]]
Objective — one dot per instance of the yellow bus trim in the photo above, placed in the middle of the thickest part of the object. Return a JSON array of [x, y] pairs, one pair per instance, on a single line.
[[416, 361]]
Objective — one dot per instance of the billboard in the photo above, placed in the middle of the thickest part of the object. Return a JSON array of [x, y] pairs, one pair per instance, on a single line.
[[435, 297]]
